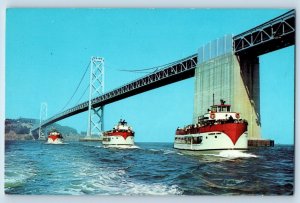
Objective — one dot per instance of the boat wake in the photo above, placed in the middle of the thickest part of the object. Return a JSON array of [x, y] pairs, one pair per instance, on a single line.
[[113, 181], [233, 154], [122, 146], [13, 178], [163, 151]]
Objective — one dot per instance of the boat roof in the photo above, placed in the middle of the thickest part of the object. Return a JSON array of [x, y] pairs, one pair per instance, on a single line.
[[220, 105]]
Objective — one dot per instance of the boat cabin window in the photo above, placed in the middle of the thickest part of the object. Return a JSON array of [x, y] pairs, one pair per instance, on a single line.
[[214, 108], [225, 108], [221, 108]]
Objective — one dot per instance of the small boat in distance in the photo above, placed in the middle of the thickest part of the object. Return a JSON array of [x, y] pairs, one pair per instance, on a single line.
[[219, 129], [55, 137], [121, 136]]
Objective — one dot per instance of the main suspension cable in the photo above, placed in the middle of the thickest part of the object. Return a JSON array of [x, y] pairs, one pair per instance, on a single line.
[[77, 87], [82, 94]]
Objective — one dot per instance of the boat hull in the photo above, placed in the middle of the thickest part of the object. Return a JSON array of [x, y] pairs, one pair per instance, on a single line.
[[117, 141], [54, 141], [215, 137]]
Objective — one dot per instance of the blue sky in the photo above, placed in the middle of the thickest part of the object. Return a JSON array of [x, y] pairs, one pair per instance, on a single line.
[[48, 50]]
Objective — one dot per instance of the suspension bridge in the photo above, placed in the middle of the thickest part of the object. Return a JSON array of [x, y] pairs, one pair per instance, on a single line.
[[241, 50]]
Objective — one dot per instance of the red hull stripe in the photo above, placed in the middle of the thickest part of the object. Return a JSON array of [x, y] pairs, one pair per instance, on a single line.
[[232, 130], [53, 137], [123, 134]]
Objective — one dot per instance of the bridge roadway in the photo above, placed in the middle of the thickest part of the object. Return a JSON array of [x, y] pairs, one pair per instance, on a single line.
[[272, 35], [174, 72], [269, 36]]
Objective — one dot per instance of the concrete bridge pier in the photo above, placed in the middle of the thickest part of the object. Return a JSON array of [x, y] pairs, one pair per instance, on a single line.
[[247, 74], [236, 80]]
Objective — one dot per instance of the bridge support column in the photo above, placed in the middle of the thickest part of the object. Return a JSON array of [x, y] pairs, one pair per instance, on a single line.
[[95, 114], [247, 74], [43, 116], [233, 79]]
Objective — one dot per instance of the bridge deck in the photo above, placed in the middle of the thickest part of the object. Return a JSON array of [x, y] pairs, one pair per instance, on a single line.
[[272, 35], [174, 72]]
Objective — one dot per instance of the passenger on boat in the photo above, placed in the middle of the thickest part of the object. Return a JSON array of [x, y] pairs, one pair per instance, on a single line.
[[230, 119]]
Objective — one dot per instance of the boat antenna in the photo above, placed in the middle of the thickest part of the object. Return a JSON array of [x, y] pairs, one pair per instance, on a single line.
[[213, 99]]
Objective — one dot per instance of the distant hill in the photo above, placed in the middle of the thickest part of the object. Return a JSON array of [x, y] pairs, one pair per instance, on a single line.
[[19, 129]]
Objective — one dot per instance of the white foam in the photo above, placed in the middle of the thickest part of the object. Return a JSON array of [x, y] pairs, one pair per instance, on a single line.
[[122, 146], [232, 154], [154, 150], [16, 178], [163, 151], [169, 152], [55, 143], [152, 189], [110, 181]]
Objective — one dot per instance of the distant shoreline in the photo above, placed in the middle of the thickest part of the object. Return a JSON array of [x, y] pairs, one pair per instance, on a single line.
[[19, 129], [14, 136]]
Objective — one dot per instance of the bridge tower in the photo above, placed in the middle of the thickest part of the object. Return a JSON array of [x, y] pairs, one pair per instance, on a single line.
[[236, 80], [43, 116], [95, 115]]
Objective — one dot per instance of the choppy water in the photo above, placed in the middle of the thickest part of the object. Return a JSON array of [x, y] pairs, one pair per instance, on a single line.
[[79, 168]]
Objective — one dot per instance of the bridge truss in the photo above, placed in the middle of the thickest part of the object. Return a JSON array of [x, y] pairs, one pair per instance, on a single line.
[[270, 36], [173, 72]]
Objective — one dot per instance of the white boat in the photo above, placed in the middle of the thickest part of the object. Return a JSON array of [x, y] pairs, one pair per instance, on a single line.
[[219, 129], [121, 136], [54, 137]]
